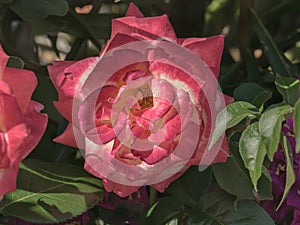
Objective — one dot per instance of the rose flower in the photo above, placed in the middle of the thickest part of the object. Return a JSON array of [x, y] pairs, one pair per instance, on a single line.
[[21, 123], [144, 111]]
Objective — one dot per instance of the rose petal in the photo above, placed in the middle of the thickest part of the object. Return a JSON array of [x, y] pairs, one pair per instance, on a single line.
[[67, 137], [118, 40], [65, 108], [157, 154], [36, 124], [209, 49], [119, 189], [10, 113], [150, 28], [11, 143], [134, 11], [56, 72], [178, 78], [161, 186], [5, 88], [8, 178], [23, 83], [3, 61], [66, 76]]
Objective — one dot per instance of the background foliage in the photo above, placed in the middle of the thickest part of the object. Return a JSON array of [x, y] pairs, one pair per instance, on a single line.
[[259, 69]]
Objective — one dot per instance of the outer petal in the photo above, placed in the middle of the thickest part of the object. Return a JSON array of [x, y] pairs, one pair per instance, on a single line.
[[119, 189], [134, 11], [118, 40], [3, 62], [23, 83], [209, 49], [12, 145], [164, 184], [150, 28], [10, 113], [57, 72], [64, 107], [36, 123], [66, 76], [67, 137], [8, 177]]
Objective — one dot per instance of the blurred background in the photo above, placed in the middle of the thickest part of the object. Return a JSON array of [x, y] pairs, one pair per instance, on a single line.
[[262, 41]]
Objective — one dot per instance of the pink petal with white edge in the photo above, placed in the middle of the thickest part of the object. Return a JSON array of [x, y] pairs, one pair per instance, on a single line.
[[36, 123], [8, 178], [23, 83], [178, 78], [134, 11], [209, 49], [3, 61], [157, 154], [150, 28]]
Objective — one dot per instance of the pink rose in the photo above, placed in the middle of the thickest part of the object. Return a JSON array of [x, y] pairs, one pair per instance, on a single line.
[[21, 123], [144, 111]]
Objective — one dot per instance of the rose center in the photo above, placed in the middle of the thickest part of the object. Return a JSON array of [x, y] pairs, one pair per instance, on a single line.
[[146, 102], [146, 97]]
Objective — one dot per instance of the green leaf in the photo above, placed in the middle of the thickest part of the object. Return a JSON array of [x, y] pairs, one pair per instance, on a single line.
[[39, 9], [289, 88], [218, 208], [230, 117], [277, 60], [15, 62], [238, 182], [278, 10], [253, 152], [297, 125], [290, 173], [98, 24], [270, 127], [163, 211], [190, 186], [51, 192], [252, 93], [36, 12]]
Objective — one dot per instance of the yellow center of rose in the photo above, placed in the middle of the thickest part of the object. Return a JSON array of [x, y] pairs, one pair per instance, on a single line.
[[146, 102], [145, 97]]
